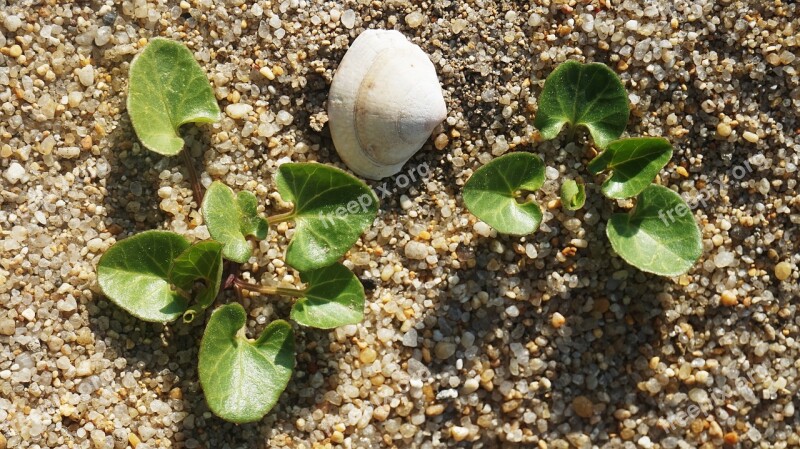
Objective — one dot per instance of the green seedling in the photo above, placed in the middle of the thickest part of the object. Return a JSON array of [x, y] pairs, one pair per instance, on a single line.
[[496, 193], [134, 273], [634, 163], [573, 194], [587, 95], [168, 89], [331, 210], [659, 235], [242, 379], [231, 219], [592, 96], [158, 276]]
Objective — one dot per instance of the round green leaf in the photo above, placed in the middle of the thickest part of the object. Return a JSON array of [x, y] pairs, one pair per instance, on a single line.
[[334, 297], [589, 95], [168, 89], [634, 163], [230, 219], [659, 235], [242, 379], [134, 274], [573, 194], [331, 211], [493, 191], [201, 262]]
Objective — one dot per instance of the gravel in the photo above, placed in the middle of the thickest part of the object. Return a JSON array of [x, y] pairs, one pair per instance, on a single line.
[[471, 338]]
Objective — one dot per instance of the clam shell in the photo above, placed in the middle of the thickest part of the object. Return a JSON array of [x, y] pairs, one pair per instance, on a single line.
[[384, 103]]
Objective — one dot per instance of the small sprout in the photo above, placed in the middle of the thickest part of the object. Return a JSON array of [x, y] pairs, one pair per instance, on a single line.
[[242, 379], [334, 297], [331, 211], [634, 163], [659, 235], [573, 194], [168, 89], [231, 219], [494, 191], [134, 274], [589, 95], [201, 262]]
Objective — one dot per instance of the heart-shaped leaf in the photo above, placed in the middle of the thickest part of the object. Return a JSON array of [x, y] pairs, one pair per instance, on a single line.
[[134, 274], [331, 211], [201, 262], [242, 379], [494, 190], [333, 297], [168, 89], [589, 95], [231, 218], [573, 194], [634, 163], [659, 235]]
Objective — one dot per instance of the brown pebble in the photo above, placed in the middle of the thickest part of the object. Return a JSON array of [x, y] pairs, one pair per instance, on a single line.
[[724, 129], [728, 298], [86, 143], [3, 442], [176, 393], [583, 407], [434, 410], [731, 438], [368, 355], [782, 271], [441, 141]]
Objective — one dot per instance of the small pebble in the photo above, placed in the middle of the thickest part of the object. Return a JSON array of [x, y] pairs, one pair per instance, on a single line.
[[444, 350], [238, 110], [728, 298], [459, 433], [750, 136], [414, 19], [14, 172], [557, 320], [367, 355], [416, 250], [724, 129], [782, 271], [583, 407]]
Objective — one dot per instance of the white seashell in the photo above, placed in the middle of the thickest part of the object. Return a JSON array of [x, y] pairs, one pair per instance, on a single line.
[[384, 103]]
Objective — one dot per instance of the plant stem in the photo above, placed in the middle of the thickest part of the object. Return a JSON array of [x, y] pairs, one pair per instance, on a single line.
[[197, 188], [268, 289], [278, 218], [571, 133]]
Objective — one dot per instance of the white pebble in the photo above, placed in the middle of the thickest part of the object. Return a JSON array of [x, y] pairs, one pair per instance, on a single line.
[[416, 250], [482, 229], [14, 173], [349, 19], [238, 110], [12, 23], [86, 75], [414, 19]]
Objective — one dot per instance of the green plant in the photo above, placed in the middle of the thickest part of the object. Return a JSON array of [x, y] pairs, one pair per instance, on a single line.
[[573, 194], [496, 193], [649, 237], [588, 95], [159, 276], [167, 90]]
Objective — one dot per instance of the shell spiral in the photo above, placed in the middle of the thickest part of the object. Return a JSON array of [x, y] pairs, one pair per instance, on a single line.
[[384, 103]]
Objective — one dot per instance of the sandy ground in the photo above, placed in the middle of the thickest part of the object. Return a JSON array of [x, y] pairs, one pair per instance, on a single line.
[[470, 339]]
